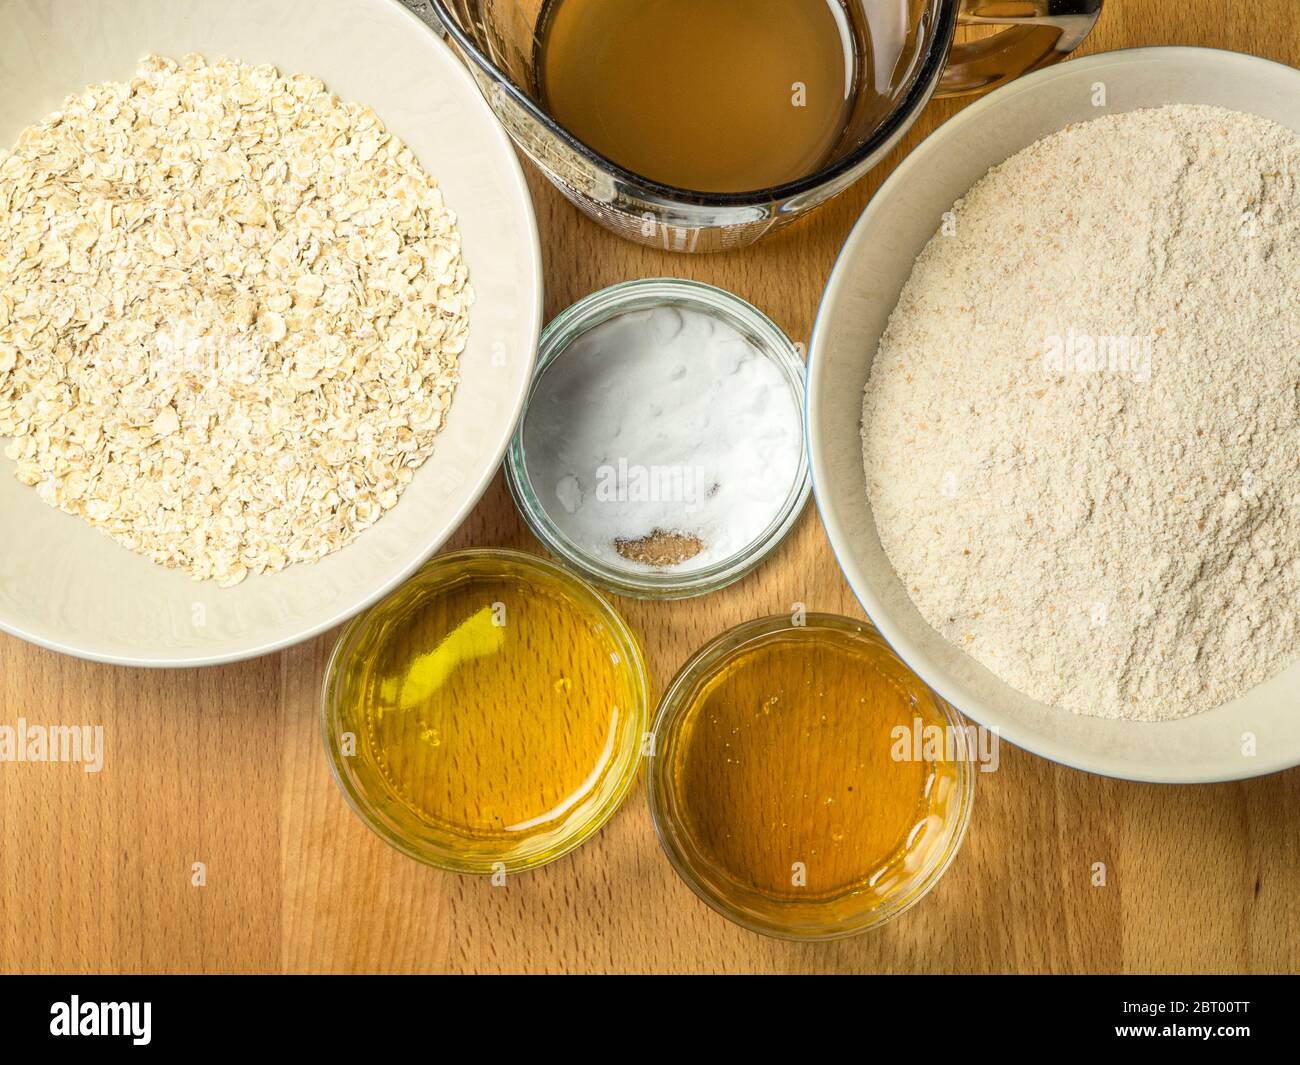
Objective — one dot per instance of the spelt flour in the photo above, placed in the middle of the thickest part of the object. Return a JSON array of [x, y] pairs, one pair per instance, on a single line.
[[1081, 431]]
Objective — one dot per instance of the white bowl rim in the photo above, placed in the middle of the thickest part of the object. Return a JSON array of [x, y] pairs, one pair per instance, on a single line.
[[972, 707], [514, 172]]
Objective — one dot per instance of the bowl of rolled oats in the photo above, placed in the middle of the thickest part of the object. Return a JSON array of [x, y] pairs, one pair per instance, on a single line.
[[270, 293]]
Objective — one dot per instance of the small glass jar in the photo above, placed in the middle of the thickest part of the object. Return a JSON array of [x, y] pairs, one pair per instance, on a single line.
[[598, 308], [736, 766], [523, 735]]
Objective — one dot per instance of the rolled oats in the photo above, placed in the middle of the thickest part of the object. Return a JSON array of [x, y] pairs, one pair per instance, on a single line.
[[232, 309]]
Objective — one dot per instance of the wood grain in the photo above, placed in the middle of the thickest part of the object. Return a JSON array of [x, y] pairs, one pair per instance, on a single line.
[[225, 766]]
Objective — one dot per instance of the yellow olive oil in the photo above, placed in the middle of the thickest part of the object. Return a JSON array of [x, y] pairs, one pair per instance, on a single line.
[[496, 710]]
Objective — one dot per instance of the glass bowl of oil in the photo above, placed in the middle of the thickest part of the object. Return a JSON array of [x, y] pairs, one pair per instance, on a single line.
[[488, 716], [805, 784]]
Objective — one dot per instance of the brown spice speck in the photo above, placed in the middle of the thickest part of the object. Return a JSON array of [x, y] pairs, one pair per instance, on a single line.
[[660, 549]]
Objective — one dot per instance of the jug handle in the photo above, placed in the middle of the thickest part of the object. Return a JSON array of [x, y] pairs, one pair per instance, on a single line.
[[1039, 33]]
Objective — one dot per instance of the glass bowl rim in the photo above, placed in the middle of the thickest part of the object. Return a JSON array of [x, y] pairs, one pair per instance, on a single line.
[[704, 663], [599, 307], [582, 831]]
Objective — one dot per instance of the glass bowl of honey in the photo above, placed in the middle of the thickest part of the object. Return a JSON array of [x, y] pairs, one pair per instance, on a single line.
[[488, 716], [804, 783]]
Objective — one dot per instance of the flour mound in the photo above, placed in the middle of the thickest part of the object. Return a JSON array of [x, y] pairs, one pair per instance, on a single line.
[[1081, 432]]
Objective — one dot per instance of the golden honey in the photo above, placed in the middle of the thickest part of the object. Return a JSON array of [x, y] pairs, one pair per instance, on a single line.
[[805, 782], [488, 716]]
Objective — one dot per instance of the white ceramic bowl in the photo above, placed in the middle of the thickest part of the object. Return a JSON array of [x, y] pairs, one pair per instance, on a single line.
[[70, 588], [863, 290]]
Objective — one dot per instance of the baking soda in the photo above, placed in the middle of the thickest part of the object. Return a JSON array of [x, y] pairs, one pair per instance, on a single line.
[[663, 439]]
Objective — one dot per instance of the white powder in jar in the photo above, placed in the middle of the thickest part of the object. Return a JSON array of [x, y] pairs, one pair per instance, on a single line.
[[1081, 432], [663, 423]]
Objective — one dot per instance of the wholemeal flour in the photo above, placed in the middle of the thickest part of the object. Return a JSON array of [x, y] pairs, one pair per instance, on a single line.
[[1081, 431]]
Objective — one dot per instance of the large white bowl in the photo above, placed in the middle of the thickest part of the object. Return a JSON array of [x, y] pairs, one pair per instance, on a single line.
[[863, 290], [68, 587]]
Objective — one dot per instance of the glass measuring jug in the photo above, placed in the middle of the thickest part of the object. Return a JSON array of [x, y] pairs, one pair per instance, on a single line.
[[908, 51]]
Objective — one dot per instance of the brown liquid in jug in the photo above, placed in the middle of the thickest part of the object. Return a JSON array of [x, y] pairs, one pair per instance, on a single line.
[[706, 95]]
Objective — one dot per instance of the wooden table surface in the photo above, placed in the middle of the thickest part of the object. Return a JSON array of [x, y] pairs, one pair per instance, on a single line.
[[224, 766]]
